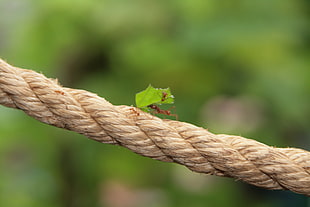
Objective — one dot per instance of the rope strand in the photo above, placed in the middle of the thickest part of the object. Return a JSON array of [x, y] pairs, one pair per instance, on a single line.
[[165, 140]]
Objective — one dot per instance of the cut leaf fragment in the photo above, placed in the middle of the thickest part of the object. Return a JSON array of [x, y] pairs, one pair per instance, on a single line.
[[153, 95]]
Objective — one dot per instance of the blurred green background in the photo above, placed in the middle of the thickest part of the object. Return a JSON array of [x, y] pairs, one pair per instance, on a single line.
[[236, 67]]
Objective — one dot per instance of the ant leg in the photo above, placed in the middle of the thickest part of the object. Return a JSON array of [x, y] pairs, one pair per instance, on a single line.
[[175, 115]]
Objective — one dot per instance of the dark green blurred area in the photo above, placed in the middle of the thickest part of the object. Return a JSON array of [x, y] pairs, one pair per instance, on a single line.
[[235, 67]]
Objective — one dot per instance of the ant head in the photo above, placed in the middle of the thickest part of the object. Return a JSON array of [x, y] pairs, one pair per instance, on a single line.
[[152, 106]]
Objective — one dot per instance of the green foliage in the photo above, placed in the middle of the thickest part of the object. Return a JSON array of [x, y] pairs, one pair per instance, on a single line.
[[153, 95]]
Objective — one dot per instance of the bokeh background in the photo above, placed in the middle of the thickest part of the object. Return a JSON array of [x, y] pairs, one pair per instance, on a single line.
[[237, 67]]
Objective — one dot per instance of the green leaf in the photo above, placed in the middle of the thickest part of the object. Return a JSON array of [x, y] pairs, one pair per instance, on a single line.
[[153, 95], [149, 96]]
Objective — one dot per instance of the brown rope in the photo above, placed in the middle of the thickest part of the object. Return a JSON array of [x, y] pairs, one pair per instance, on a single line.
[[160, 139]]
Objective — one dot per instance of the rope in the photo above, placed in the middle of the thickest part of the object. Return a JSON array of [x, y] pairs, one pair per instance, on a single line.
[[165, 140]]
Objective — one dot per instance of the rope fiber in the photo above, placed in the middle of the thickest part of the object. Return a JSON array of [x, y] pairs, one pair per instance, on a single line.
[[161, 139]]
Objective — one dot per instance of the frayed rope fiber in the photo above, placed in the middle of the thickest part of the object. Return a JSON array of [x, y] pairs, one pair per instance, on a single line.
[[165, 140]]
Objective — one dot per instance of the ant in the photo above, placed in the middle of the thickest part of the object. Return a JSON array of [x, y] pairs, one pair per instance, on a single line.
[[164, 97], [135, 111], [60, 92], [158, 110]]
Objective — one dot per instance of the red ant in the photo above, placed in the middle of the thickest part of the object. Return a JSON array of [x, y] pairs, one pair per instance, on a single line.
[[60, 92], [164, 97], [158, 110], [135, 111]]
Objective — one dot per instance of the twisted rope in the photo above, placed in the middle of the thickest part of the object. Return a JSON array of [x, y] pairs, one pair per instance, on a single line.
[[147, 135]]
